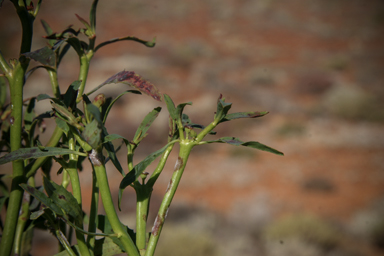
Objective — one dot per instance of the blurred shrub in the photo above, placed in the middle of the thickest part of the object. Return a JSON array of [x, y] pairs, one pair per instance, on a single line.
[[306, 228], [318, 184], [290, 129], [181, 241], [354, 103]]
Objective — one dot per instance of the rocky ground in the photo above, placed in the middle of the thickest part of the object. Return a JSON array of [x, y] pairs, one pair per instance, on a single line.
[[315, 65]]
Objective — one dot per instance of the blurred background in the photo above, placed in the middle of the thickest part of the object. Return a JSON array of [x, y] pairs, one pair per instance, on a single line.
[[317, 67]]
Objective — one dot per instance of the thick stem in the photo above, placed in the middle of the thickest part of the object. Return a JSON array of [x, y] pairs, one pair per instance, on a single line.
[[143, 195], [16, 83], [16, 195], [97, 161], [185, 150]]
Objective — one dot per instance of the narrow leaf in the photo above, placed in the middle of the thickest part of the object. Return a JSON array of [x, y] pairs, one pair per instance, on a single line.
[[35, 152], [132, 79], [85, 23], [43, 198], [135, 173], [238, 115], [48, 31], [127, 38], [251, 144], [92, 15], [44, 55], [141, 132], [111, 137], [171, 107]]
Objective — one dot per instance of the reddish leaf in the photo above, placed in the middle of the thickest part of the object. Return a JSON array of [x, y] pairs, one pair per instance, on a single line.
[[133, 79]]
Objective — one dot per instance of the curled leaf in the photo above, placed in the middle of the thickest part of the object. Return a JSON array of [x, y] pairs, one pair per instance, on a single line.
[[133, 79]]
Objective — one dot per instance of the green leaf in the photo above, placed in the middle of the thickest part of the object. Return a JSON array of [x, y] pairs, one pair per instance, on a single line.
[[65, 200], [43, 97], [138, 169], [113, 102], [92, 15], [111, 137], [85, 23], [62, 125], [64, 113], [111, 150], [48, 31], [252, 114], [104, 225], [141, 132], [43, 198], [171, 107], [251, 144], [128, 38], [132, 79], [175, 112], [35, 152], [45, 56], [92, 134], [222, 109]]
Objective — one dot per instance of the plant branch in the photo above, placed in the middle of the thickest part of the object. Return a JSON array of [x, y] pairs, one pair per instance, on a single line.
[[185, 150], [97, 161], [76, 190]]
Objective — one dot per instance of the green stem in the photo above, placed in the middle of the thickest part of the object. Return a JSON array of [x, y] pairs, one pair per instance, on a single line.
[[143, 195], [23, 218], [160, 166], [76, 190], [85, 60], [64, 242], [93, 214], [54, 82], [97, 161], [16, 83], [4, 65], [185, 150]]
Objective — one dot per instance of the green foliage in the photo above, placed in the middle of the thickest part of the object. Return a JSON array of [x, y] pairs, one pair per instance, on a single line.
[[81, 133]]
